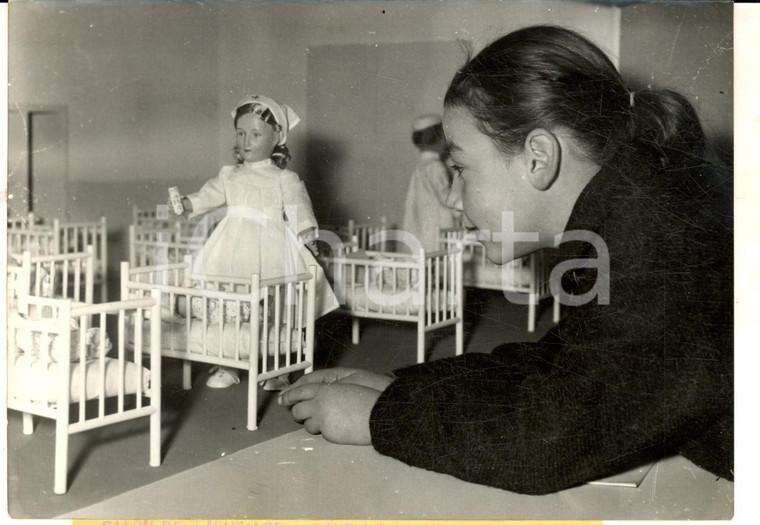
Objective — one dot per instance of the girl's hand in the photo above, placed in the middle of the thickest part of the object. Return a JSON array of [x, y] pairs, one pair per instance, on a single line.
[[352, 376], [338, 411]]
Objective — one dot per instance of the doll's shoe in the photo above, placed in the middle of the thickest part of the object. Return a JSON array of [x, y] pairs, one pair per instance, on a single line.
[[223, 377], [276, 384]]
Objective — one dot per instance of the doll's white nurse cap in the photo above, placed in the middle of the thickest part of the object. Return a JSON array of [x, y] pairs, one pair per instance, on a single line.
[[282, 113], [426, 121]]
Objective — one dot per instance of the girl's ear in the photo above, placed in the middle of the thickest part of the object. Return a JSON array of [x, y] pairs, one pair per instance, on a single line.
[[543, 154]]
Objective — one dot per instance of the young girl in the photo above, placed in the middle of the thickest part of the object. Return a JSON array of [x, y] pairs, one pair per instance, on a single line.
[[268, 217], [543, 129]]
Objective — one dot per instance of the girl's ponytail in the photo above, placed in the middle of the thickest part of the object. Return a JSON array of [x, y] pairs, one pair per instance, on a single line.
[[553, 78], [665, 125]]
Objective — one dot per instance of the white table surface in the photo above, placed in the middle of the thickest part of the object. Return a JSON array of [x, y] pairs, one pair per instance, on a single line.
[[298, 475]]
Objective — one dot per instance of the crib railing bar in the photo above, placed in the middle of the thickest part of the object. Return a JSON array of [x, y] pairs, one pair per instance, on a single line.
[[238, 324], [437, 285], [428, 292], [83, 327], [304, 365], [278, 327], [101, 363], [221, 304], [288, 323], [253, 354], [121, 356], [446, 272], [83, 426], [94, 309], [299, 316], [140, 314], [265, 331]]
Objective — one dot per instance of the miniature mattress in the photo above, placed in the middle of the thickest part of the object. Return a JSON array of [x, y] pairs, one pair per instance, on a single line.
[[382, 300], [174, 336], [38, 381], [477, 271]]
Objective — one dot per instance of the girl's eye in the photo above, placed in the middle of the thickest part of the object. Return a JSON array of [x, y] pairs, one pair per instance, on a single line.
[[457, 170]]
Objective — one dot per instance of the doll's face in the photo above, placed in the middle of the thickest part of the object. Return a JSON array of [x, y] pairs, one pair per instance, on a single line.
[[255, 139]]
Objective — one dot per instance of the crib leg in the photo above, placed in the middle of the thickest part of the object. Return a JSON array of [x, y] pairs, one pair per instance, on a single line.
[[187, 375], [355, 331], [61, 456], [420, 345], [155, 441], [532, 313], [555, 312], [27, 423], [460, 337], [253, 400]]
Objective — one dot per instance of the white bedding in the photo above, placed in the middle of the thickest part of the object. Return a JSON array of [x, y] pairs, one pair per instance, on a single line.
[[37, 382], [174, 336]]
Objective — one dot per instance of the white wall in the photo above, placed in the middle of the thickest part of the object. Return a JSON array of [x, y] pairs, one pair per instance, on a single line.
[[267, 49], [148, 87], [689, 49]]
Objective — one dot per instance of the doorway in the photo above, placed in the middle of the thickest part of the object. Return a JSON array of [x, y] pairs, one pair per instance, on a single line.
[[38, 162]]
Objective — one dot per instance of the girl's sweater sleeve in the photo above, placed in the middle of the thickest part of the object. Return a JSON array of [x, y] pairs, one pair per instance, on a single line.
[[297, 203], [210, 196], [488, 420]]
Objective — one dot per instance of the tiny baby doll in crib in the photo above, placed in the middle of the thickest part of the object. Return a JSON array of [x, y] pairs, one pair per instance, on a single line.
[[269, 217]]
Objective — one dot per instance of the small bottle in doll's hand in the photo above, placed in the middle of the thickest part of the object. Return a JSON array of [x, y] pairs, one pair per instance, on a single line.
[[176, 200]]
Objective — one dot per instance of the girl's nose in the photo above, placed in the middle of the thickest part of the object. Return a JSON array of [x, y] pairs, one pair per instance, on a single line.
[[454, 200]]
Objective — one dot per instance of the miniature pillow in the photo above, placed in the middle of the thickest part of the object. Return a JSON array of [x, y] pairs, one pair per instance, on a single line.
[[214, 310], [383, 276], [34, 343]]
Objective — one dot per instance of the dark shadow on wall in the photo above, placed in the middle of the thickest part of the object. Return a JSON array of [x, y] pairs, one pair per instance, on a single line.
[[323, 158]]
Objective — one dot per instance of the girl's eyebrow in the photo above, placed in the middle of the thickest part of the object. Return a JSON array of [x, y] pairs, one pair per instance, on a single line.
[[451, 147]]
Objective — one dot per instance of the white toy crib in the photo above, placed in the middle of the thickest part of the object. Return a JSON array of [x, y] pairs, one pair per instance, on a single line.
[[425, 289], [35, 239], [63, 366], [160, 217], [360, 233], [62, 276], [265, 327], [528, 275], [61, 237], [150, 246]]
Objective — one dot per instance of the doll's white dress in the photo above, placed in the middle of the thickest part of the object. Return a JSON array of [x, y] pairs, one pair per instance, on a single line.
[[425, 210], [265, 209]]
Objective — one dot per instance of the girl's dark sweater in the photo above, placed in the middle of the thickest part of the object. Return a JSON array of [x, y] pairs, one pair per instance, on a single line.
[[612, 386]]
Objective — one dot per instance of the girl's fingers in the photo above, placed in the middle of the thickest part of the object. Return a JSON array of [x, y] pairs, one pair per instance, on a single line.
[[302, 411], [327, 375], [312, 426], [298, 393]]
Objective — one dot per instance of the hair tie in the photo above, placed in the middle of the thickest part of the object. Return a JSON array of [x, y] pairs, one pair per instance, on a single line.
[[630, 99]]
